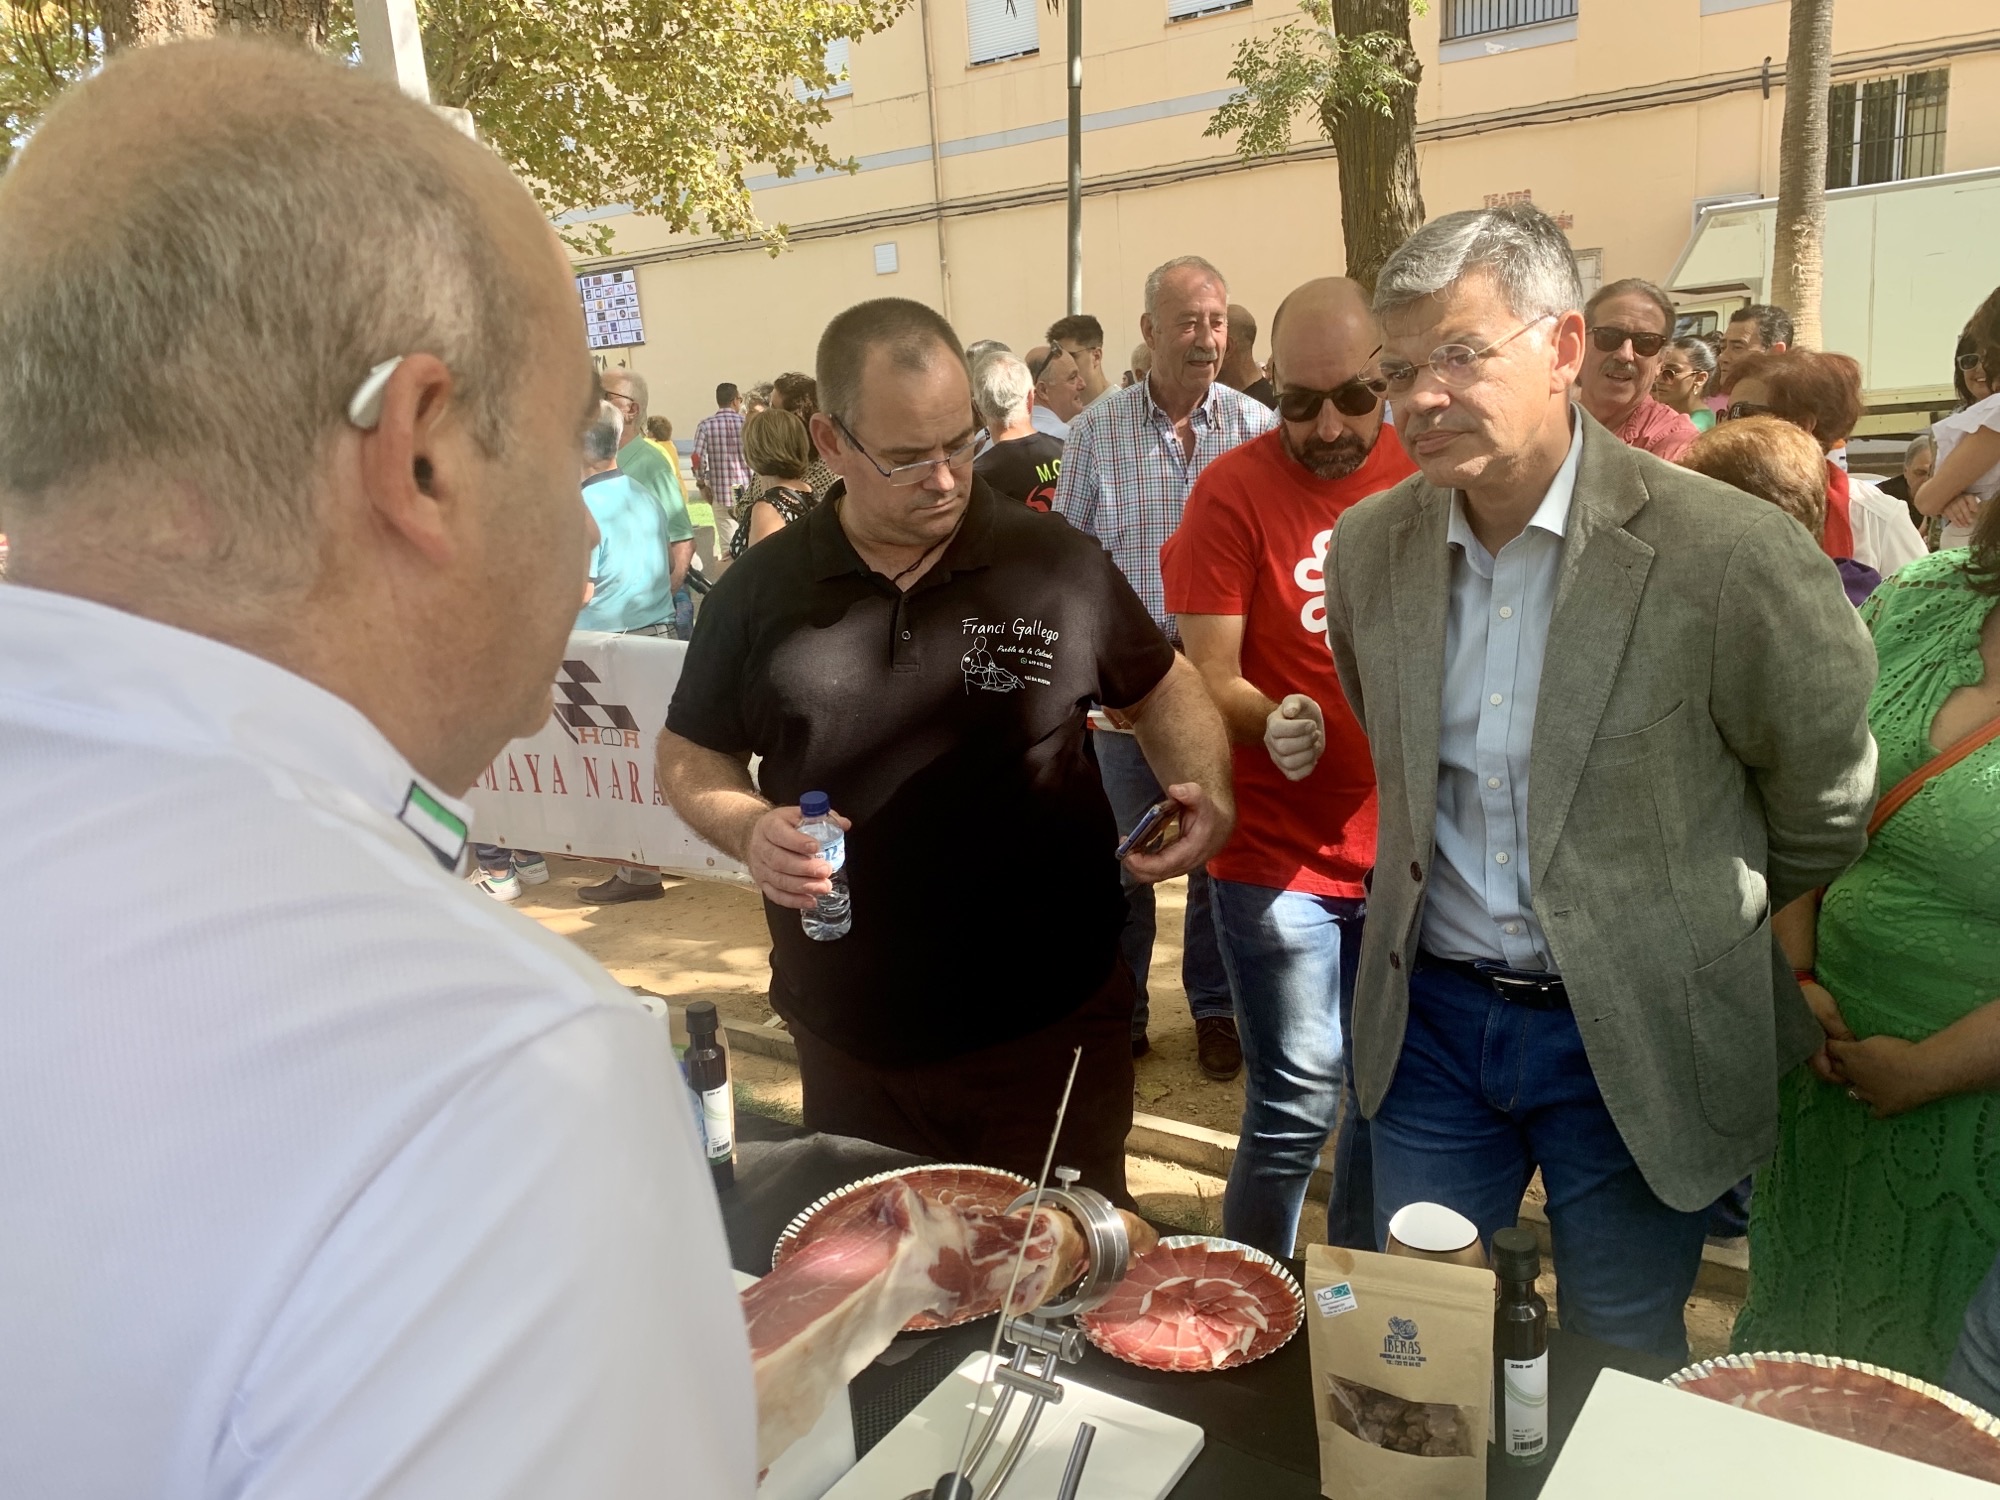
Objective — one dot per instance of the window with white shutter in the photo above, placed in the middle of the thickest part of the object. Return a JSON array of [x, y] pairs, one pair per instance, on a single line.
[[1183, 10], [999, 29], [836, 64], [842, 86]]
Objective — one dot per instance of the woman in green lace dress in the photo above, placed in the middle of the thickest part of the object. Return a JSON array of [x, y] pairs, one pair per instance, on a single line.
[[1881, 1213]]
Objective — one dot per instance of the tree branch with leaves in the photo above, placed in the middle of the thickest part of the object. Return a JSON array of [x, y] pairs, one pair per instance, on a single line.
[[1351, 66], [663, 104]]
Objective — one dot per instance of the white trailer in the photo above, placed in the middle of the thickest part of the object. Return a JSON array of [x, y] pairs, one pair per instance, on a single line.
[[1906, 264]]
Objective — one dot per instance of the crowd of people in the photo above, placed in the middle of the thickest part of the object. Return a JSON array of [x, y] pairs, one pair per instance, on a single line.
[[1668, 647], [1490, 661]]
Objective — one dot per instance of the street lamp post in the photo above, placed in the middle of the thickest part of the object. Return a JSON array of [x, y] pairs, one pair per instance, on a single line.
[[1075, 156]]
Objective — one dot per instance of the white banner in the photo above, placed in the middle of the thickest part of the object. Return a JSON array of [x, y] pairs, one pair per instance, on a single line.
[[584, 785]]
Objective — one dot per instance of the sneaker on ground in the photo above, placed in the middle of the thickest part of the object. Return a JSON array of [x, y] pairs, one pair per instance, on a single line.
[[501, 885], [533, 869], [616, 889], [1217, 1047]]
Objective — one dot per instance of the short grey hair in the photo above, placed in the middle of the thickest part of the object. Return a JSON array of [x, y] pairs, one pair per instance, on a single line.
[[207, 320], [1635, 286], [1000, 387], [632, 384], [1924, 442], [1517, 244], [1160, 274], [601, 438]]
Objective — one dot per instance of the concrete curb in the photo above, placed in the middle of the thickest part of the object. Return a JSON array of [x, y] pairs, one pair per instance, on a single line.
[[1724, 1272], [765, 1041]]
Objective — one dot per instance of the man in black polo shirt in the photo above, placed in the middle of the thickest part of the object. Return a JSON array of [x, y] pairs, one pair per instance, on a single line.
[[925, 653]]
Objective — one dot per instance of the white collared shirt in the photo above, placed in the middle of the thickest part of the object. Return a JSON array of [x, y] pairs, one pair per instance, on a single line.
[[1479, 904], [1884, 539], [1045, 420], [323, 1174]]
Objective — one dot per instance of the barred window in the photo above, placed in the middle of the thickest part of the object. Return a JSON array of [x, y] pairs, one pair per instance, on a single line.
[[1886, 129], [1463, 18]]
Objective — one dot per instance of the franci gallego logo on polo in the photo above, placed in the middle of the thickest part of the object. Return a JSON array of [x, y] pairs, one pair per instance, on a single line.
[[1400, 1346]]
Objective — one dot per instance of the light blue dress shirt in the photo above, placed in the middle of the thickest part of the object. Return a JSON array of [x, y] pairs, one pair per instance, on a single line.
[[1479, 904]]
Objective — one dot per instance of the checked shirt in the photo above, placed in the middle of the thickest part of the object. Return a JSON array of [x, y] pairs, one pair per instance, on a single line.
[[1124, 479]]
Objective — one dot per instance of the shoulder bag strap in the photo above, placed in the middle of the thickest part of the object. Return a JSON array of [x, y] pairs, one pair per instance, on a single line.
[[1937, 765]]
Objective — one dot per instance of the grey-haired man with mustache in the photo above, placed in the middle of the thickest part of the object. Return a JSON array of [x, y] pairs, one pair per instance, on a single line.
[[1618, 718], [1127, 468]]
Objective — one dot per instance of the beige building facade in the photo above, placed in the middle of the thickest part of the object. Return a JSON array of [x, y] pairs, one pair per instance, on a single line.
[[1621, 117]]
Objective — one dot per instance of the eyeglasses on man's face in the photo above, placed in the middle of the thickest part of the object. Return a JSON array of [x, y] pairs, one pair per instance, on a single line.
[[1356, 396], [1610, 338], [1453, 364], [904, 475]]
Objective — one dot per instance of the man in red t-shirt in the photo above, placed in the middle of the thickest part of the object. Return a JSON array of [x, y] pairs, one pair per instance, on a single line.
[[1244, 574]]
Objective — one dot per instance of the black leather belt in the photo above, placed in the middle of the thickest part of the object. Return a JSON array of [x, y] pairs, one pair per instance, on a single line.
[[1516, 986]]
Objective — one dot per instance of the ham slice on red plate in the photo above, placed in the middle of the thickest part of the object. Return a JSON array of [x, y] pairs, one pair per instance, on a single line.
[[1845, 1399], [839, 1297], [1197, 1304]]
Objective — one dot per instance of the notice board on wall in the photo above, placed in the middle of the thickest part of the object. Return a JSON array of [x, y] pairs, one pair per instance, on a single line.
[[611, 309]]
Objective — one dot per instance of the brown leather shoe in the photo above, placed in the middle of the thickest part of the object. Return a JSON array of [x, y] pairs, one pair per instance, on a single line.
[[611, 892], [1216, 1047]]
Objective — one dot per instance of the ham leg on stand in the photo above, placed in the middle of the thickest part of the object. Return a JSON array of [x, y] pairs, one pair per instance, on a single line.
[[820, 1318]]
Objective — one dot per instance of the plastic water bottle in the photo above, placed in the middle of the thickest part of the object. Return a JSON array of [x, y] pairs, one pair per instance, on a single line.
[[834, 914]]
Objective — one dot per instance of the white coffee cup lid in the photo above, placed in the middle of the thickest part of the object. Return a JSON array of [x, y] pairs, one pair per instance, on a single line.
[[1433, 1228]]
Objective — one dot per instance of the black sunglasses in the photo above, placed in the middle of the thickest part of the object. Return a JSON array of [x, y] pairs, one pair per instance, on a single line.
[[1740, 409], [1035, 371], [1351, 398], [1610, 340]]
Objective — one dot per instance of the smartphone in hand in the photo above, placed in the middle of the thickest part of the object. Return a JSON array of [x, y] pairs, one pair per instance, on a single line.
[[1158, 826]]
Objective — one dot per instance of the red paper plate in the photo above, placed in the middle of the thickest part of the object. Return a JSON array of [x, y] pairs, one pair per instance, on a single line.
[[1861, 1403], [1197, 1303]]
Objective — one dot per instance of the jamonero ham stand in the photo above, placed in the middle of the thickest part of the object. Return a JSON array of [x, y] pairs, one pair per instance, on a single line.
[[1043, 1340]]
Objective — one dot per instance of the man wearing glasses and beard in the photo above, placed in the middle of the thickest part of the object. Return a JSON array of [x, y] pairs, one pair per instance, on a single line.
[[925, 653], [1243, 574], [1618, 718], [1628, 324]]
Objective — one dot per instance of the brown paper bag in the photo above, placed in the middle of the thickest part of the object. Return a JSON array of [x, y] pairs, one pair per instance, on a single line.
[[1402, 1370]]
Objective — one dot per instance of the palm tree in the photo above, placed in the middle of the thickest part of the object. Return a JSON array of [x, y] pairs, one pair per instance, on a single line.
[[1797, 262]]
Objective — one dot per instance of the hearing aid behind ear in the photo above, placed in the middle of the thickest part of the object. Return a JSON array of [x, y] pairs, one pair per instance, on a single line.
[[364, 407]]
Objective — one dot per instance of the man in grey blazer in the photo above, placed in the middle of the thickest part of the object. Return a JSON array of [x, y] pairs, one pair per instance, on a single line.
[[1617, 714]]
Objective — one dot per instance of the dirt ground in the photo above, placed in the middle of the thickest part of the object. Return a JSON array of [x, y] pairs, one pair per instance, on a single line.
[[706, 941]]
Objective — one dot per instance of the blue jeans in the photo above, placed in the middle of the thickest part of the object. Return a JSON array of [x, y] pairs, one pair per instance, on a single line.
[[1486, 1091], [1291, 958], [1132, 788], [1729, 1215], [1975, 1365]]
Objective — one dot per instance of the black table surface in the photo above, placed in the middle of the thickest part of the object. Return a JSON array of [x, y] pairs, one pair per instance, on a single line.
[[1258, 1419]]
